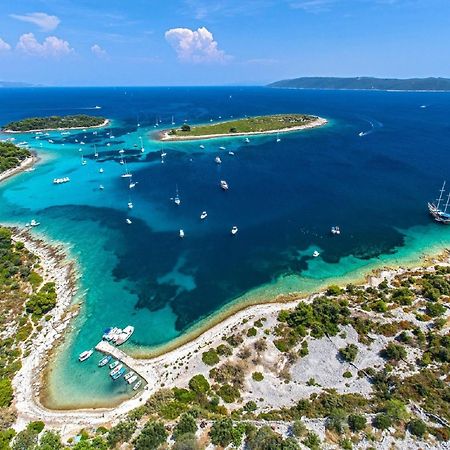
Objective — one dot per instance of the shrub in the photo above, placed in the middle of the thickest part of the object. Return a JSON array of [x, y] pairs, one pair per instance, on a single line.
[[336, 421], [333, 290], [347, 374], [198, 383], [250, 406], [417, 427], [257, 376], [185, 127], [349, 353], [393, 352], [221, 432], [120, 433], [312, 441], [356, 422], [6, 392], [186, 424], [435, 309], [224, 350], [251, 332], [210, 357], [152, 436], [50, 441], [298, 428], [36, 427], [382, 421], [228, 393]]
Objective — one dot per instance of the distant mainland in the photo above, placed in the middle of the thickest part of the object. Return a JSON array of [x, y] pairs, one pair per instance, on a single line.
[[366, 83], [276, 123]]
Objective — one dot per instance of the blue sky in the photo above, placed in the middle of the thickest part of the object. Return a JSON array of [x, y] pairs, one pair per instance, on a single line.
[[211, 42]]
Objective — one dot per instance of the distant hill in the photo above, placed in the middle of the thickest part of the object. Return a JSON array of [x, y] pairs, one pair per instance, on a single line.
[[366, 83], [15, 84]]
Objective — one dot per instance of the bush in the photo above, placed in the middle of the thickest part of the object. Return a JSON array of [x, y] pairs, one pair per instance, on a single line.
[[36, 427], [435, 309], [349, 353], [417, 427], [250, 406], [334, 290], [224, 350], [312, 441], [199, 384], [336, 421], [185, 127], [43, 301], [382, 421], [228, 393], [120, 433], [50, 441], [356, 422], [347, 374], [298, 428], [257, 376], [251, 332], [6, 392], [221, 432], [393, 352], [210, 357], [187, 442]]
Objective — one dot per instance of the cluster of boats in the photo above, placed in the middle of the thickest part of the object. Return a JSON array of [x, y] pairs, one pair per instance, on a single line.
[[118, 336], [61, 180]]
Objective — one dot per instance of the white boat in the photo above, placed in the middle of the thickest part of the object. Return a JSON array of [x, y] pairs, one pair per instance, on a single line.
[[126, 174], [83, 162], [173, 122], [234, 230], [114, 364], [142, 145], [231, 153], [85, 355], [33, 223], [97, 107], [137, 385], [101, 170], [130, 205], [246, 140], [51, 141], [316, 254], [335, 230], [121, 151], [128, 375], [101, 187], [128, 221], [203, 215], [132, 184], [132, 379], [125, 335], [224, 185], [278, 138], [95, 151], [222, 148], [116, 369], [105, 360], [218, 160], [202, 146], [61, 180], [122, 162], [177, 199], [181, 233]]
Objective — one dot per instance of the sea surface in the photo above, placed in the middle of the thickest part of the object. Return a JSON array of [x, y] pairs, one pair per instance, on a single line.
[[370, 170]]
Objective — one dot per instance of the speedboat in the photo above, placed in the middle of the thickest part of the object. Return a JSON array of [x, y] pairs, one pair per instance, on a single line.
[[128, 221], [132, 379], [121, 151], [101, 187], [33, 223], [234, 230], [85, 355], [335, 230], [203, 215], [114, 364], [202, 146], [101, 170], [316, 254], [231, 153], [246, 140], [126, 175], [84, 162], [125, 335], [128, 375], [105, 360], [222, 148], [224, 185], [177, 201], [181, 233], [130, 205], [137, 385], [218, 160], [132, 184]]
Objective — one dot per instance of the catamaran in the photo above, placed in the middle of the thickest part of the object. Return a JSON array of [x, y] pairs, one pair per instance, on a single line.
[[440, 215]]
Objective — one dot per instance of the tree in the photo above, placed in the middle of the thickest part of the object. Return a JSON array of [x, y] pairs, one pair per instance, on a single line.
[[210, 357], [221, 432], [395, 409], [185, 127], [356, 422], [199, 384], [228, 393], [312, 441], [25, 440], [417, 427], [382, 421], [394, 352], [298, 428], [152, 436], [6, 392], [336, 421], [435, 309], [187, 442], [50, 441], [36, 427], [5, 438], [120, 433], [349, 353], [186, 424]]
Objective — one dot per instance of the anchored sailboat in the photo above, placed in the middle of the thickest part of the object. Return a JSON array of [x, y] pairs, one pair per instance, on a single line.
[[440, 215]]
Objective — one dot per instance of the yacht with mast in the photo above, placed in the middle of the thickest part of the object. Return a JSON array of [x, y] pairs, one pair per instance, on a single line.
[[177, 199], [439, 210]]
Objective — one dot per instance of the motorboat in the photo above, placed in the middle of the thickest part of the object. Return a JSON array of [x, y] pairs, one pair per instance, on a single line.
[[114, 364], [85, 355], [181, 233], [224, 185], [137, 385], [105, 360], [316, 254], [130, 205], [217, 160], [124, 335], [128, 221], [335, 230], [234, 230], [203, 215], [128, 375], [202, 146], [132, 379], [222, 148]]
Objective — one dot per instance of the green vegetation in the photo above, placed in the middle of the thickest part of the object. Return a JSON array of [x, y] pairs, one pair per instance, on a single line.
[[210, 357], [257, 376], [356, 422], [151, 437], [43, 301], [11, 156], [54, 122], [349, 353], [257, 124]]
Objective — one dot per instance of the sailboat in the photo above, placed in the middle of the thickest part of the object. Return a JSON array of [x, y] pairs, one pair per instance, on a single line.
[[278, 137], [142, 145], [130, 205], [163, 155], [126, 174], [440, 215], [95, 151], [177, 199], [173, 121], [181, 233]]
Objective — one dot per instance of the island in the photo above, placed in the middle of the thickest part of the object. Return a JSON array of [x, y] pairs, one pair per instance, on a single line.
[[13, 159], [366, 83], [276, 123], [72, 122]]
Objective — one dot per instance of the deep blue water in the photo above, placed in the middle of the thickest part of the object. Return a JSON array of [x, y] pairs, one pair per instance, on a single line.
[[284, 197]]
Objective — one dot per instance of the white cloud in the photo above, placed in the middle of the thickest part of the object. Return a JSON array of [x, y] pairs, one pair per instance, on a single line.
[[98, 51], [4, 46], [44, 21], [313, 6], [51, 46], [195, 46]]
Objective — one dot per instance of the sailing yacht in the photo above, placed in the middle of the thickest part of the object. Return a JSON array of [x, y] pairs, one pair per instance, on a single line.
[[278, 137], [173, 121], [95, 151], [181, 233], [142, 145], [130, 205], [177, 199], [126, 174], [440, 215]]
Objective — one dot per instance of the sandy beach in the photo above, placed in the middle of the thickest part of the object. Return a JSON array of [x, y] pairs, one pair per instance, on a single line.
[[164, 135], [104, 124], [27, 163]]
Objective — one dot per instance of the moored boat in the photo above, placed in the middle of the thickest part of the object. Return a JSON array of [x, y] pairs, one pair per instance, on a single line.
[[118, 374], [105, 360], [124, 335], [335, 230], [181, 233], [114, 364], [217, 160], [128, 375], [137, 385], [316, 254], [85, 355], [132, 379], [234, 230], [116, 369]]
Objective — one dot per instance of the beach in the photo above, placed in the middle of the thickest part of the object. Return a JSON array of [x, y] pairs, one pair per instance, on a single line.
[[27, 163], [165, 136]]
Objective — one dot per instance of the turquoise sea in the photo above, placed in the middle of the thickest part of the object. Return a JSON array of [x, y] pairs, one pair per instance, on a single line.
[[370, 170]]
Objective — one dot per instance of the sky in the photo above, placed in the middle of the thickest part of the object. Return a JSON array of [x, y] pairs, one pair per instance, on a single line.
[[217, 42]]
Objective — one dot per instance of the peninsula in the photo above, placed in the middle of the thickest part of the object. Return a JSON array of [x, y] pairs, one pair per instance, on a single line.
[[276, 123], [34, 124], [366, 83], [13, 159]]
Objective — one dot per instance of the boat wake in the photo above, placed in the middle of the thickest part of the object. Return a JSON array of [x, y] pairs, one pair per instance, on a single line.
[[374, 125]]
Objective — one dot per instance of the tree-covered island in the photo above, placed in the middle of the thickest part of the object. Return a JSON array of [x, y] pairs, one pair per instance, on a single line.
[[245, 126], [11, 156], [55, 123]]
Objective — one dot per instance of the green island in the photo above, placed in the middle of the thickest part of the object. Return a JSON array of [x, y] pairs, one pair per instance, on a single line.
[[245, 126], [54, 123], [11, 156]]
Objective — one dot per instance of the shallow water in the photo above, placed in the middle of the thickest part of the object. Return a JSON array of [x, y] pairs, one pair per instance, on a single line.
[[284, 197]]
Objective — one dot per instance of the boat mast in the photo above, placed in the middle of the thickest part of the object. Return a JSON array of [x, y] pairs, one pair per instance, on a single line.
[[446, 204], [440, 196]]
